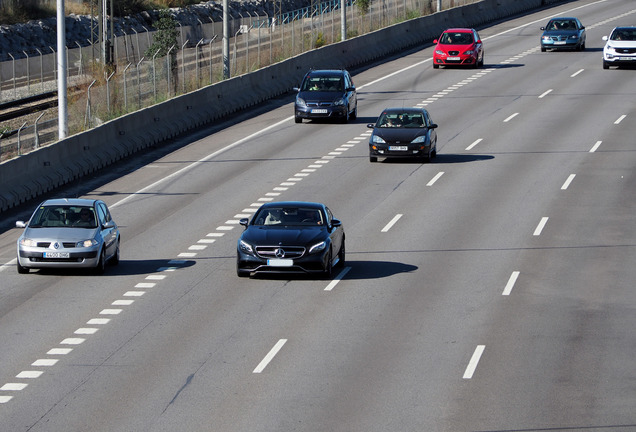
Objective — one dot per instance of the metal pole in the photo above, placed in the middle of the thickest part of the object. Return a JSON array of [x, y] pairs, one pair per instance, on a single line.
[[61, 67], [343, 20], [226, 41]]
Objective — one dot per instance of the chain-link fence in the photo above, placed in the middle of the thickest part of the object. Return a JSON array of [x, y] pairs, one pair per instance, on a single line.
[[195, 61]]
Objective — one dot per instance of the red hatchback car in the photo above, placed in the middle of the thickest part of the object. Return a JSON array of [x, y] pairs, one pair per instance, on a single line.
[[458, 46]]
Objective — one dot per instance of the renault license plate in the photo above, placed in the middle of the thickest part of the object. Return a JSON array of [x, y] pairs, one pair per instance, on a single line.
[[57, 255]]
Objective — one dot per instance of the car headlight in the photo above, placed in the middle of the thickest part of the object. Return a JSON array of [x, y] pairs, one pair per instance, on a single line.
[[419, 139], [339, 102], [86, 243], [574, 37], [28, 242], [440, 52], [377, 140], [318, 247], [469, 52], [301, 102], [246, 247]]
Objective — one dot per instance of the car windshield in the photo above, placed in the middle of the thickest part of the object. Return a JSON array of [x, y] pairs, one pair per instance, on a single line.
[[286, 216], [401, 120], [63, 217], [456, 39], [624, 35], [323, 84], [562, 25]]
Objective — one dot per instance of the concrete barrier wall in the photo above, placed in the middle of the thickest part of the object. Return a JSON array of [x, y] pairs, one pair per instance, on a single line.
[[47, 168]]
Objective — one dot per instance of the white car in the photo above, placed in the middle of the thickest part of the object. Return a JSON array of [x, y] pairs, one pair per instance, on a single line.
[[620, 47]]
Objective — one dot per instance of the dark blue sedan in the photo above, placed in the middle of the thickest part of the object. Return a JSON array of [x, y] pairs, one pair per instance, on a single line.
[[563, 33]]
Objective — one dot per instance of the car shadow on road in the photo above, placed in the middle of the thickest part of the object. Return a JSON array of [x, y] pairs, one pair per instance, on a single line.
[[444, 158], [376, 269]]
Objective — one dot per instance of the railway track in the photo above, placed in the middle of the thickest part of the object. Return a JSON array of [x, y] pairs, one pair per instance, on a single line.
[[21, 107]]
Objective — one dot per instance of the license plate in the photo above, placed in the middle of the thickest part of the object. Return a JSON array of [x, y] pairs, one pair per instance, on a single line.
[[280, 262], [57, 255], [319, 111], [398, 148], [453, 59], [627, 58], [559, 43]]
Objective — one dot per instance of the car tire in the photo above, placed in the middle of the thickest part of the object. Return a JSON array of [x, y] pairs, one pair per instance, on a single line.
[[373, 159], [21, 270], [342, 254], [100, 268], [434, 152], [114, 260], [543, 49], [298, 119], [242, 273], [481, 62], [329, 268], [605, 65], [435, 66], [354, 113]]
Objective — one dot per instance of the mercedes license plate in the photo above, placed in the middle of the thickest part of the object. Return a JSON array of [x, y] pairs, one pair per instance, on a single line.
[[57, 255], [280, 262], [319, 111], [398, 148]]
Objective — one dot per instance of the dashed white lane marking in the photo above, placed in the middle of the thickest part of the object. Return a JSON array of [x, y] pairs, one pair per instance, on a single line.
[[59, 351], [511, 283], [577, 73], [537, 231], [44, 362], [568, 181], [29, 374], [388, 226], [268, 358], [434, 179], [474, 361], [596, 146], [510, 117], [86, 331], [73, 341], [545, 93], [337, 279], [14, 386], [477, 141], [620, 119], [122, 302]]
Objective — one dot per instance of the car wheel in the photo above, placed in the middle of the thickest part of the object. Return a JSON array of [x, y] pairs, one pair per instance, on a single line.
[[329, 268], [542, 49], [114, 260], [342, 254], [373, 159], [298, 119], [22, 270], [605, 65], [100, 268], [242, 273], [435, 66], [481, 62], [434, 152], [354, 114]]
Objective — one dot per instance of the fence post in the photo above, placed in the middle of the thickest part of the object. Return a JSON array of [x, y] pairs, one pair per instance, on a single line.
[[87, 119], [126, 88], [37, 136], [19, 144], [108, 91]]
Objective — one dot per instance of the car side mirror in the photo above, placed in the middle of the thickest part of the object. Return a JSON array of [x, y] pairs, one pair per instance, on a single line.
[[335, 223], [582, 27], [244, 222], [542, 28], [108, 225], [478, 41], [432, 126], [296, 89], [20, 224], [371, 125], [435, 41], [604, 38]]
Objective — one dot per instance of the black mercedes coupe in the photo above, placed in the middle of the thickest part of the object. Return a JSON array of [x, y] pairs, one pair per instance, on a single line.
[[291, 237]]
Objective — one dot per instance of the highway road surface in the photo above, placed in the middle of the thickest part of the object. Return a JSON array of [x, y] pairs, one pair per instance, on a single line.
[[493, 289]]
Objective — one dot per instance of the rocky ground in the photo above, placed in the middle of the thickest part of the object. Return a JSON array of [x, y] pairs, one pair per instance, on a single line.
[[42, 34]]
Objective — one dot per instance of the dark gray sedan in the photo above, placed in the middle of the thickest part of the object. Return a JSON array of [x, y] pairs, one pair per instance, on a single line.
[[403, 133], [65, 233]]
